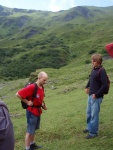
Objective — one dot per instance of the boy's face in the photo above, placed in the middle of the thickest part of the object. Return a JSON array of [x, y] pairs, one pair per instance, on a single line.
[[95, 63]]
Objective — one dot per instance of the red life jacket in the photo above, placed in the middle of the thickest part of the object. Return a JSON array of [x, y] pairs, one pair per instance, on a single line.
[[109, 49]]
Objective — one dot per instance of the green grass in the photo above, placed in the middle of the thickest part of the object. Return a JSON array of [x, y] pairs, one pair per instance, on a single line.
[[62, 124]]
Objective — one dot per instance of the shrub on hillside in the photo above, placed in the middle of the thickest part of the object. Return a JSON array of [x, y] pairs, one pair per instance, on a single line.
[[91, 52], [87, 62]]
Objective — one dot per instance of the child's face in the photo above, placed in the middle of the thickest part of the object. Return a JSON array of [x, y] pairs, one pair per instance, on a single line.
[[95, 63]]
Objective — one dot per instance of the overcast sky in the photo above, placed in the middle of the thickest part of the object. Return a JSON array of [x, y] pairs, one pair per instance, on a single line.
[[53, 5]]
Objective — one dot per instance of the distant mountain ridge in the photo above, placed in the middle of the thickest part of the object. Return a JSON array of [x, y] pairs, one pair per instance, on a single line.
[[20, 18], [31, 39]]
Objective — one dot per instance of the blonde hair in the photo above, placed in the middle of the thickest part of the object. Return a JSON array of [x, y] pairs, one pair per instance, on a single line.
[[97, 57]]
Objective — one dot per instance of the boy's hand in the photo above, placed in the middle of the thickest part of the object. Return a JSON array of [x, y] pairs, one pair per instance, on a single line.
[[44, 106], [87, 90]]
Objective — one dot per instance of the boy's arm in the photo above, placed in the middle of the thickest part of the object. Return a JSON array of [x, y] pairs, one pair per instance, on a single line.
[[44, 106], [29, 103], [87, 87]]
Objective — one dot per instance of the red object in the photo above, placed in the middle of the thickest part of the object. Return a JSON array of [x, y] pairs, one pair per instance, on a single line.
[[27, 92], [109, 49]]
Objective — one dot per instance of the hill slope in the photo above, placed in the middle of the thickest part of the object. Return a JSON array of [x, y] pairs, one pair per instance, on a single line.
[[31, 39]]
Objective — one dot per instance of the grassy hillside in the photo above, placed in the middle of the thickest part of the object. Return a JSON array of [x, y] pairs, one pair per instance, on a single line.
[[31, 40], [62, 124]]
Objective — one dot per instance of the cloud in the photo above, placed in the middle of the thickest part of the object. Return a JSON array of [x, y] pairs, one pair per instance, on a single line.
[[6, 3], [72, 3], [56, 5]]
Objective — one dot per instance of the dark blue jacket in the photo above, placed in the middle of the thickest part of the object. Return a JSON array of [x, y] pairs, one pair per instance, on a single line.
[[6, 129], [98, 82]]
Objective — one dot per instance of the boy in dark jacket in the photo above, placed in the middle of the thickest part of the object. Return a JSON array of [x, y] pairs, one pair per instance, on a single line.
[[95, 88]]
